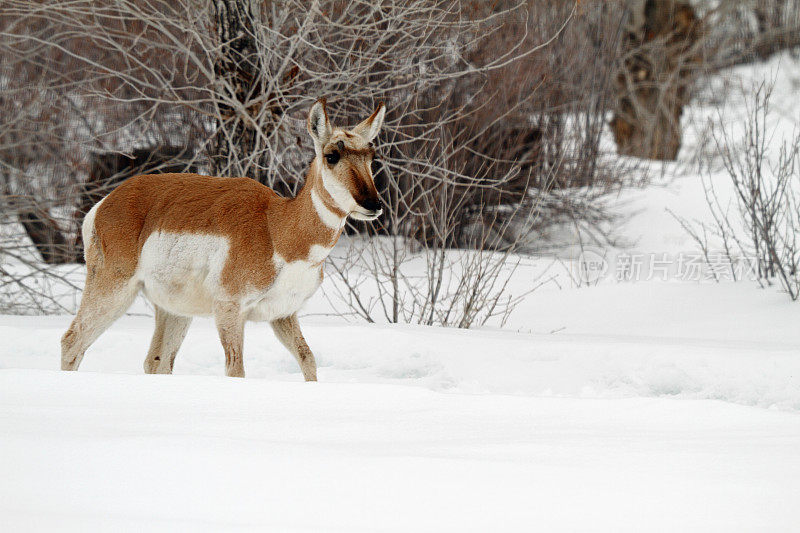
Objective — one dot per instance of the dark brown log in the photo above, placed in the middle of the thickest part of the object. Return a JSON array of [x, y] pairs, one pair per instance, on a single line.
[[44, 233], [777, 28]]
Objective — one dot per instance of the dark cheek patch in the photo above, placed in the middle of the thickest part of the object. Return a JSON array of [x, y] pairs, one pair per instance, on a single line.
[[360, 189]]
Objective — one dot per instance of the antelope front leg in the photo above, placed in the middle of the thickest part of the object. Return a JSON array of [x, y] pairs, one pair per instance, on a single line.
[[288, 332], [230, 325]]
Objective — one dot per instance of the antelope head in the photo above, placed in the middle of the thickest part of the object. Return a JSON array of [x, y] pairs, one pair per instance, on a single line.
[[344, 157]]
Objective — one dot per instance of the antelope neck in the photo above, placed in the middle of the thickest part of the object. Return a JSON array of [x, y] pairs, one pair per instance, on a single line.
[[322, 220]]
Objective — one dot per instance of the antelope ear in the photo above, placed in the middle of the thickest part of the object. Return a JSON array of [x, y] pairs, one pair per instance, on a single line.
[[318, 124], [369, 128]]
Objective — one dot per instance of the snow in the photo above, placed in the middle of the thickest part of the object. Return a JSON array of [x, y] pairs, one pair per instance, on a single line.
[[691, 341], [656, 403], [207, 453], [607, 414]]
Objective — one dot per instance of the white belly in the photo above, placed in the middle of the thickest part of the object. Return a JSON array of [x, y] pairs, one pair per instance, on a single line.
[[181, 272], [295, 283]]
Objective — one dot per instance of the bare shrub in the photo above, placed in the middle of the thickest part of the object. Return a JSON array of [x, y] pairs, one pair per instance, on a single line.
[[517, 155], [765, 224], [742, 32], [493, 134]]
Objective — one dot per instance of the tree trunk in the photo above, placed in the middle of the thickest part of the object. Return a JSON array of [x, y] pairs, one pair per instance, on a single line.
[[248, 110], [237, 67], [660, 47]]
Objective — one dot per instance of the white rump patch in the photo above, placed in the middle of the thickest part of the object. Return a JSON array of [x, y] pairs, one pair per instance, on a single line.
[[87, 228]]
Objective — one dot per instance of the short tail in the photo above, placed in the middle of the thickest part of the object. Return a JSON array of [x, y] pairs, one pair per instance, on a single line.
[[88, 231]]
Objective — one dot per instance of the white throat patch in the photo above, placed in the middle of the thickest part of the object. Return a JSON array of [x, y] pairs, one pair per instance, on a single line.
[[328, 217], [341, 196]]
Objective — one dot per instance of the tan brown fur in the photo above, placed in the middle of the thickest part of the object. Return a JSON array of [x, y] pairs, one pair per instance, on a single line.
[[257, 221], [263, 238]]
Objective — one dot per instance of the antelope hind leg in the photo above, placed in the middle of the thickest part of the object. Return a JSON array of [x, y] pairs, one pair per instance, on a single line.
[[167, 338], [98, 310]]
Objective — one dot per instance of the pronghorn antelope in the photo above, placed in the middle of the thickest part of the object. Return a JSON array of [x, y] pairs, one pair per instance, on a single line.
[[227, 247]]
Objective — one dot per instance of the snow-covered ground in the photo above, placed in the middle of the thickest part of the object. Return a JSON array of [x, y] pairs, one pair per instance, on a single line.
[[647, 398], [121, 452], [704, 341]]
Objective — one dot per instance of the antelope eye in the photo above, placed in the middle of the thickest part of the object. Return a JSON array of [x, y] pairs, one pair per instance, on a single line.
[[332, 158]]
